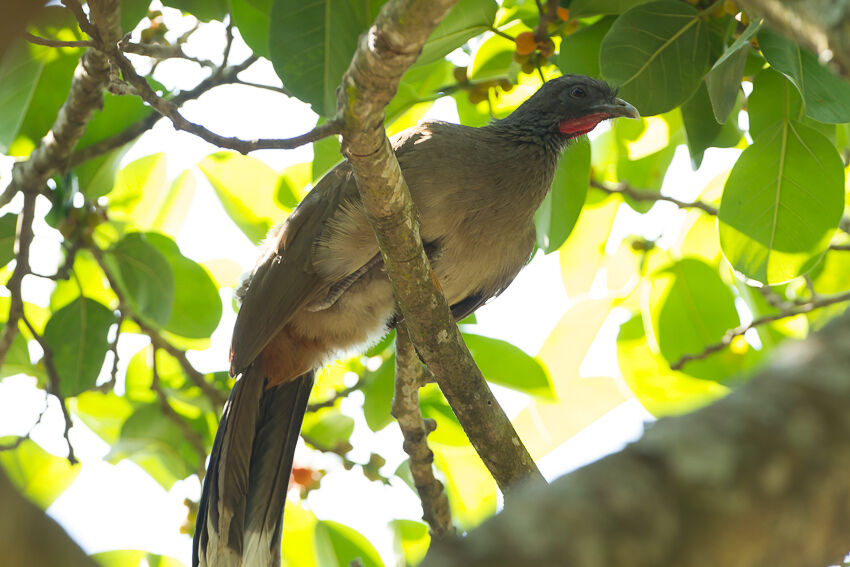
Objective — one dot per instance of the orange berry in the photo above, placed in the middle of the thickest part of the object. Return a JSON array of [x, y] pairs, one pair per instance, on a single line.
[[546, 47], [525, 43], [563, 14]]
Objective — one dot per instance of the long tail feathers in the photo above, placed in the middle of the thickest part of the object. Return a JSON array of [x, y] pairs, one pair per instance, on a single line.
[[240, 517]]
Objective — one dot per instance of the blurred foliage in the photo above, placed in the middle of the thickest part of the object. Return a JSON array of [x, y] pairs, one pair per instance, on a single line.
[[702, 75]]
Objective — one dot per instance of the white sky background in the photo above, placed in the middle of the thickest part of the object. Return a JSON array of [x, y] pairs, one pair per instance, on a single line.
[[120, 507]]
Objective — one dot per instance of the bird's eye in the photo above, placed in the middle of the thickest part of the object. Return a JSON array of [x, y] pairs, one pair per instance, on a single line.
[[578, 92]]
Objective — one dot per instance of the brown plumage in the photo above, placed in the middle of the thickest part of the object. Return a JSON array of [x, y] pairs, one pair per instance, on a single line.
[[320, 289]]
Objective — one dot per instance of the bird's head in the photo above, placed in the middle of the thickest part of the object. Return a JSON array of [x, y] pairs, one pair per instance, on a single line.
[[570, 106]]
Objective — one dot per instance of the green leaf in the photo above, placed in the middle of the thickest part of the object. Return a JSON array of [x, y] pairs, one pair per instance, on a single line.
[[493, 60], [657, 54], [197, 306], [144, 276], [470, 488], [77, 337], [175, 204], [157, 444], [660, 390], [583, 8], [724, 78], [827, 96], [328, 429], [251, 17], [774, 99], [579, 52], [132, 12], [701, 128], [136, 198], [583, 254], [692, 309], [412, 539], [559, 211], [204, 10], [103, 412], [419, 83], [97, 176], [37, 474], [8, 231], [20, 68], [782, 203], [254, 211], [507, 365], [313, 44], [338, 545], [378, 391], [465, 21]]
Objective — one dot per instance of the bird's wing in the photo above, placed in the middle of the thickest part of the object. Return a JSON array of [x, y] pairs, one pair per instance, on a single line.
[[285, 279]]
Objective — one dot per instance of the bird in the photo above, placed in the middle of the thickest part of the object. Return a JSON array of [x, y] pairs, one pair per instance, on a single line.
[[320, 288]]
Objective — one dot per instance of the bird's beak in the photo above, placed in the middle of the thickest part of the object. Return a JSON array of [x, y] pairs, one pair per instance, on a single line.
[[618, 107]]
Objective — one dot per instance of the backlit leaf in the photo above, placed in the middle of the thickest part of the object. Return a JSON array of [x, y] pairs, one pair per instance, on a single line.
[[559, 211], [827, 96], [37, 474], [246, 188], [197, 306], [77, 337], [145, 276], [782, 203]]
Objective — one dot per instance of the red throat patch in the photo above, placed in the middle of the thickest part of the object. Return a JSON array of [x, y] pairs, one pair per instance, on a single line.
[[582, 125]]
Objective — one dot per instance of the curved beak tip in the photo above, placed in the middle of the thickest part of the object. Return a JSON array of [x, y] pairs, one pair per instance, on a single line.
[[624, 109]]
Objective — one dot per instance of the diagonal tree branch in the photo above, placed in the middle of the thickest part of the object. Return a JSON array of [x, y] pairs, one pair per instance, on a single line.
[[391, 45], [86, 95]]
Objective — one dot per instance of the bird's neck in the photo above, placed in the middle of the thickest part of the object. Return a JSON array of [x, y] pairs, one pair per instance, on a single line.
[[524, 128]]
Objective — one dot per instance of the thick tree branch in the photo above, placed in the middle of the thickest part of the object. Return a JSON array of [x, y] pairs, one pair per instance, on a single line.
[[86, 95], [372, 78], [757, 478], [409, 377]]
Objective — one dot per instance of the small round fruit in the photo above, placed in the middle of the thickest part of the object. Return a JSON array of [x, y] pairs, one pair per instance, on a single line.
[[546, 47], [525, 43], [563, 14]]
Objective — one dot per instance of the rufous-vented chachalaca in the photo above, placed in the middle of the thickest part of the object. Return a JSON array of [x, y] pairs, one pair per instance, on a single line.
[[320, 288]]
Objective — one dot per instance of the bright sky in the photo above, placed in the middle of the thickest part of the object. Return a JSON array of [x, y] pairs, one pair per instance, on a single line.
[[120, 507]]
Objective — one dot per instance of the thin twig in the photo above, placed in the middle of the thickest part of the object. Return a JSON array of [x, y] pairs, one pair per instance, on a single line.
[[338, 395], [840, 247], [56, 42], [642, 195], [409, 377], [82, 19], [21, 438], [23, 242], [163, 51], [228, 75], [547, 15], [738, 331], [53, 386], [170, 111], [113, 348]]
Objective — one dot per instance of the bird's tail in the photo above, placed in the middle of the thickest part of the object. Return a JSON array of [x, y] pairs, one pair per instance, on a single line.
[[240, 517]]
